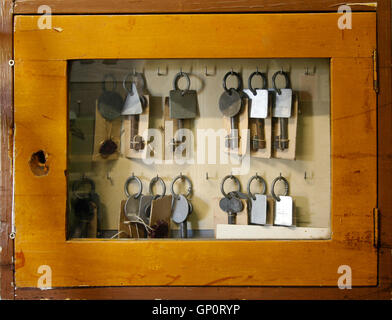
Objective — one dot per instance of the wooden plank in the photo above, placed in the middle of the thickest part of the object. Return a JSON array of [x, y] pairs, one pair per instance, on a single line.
[[385, 147], [161, 36], [6, 145], [205, 293], [182, 6], [384, 127], [101, 263], [353, 149]]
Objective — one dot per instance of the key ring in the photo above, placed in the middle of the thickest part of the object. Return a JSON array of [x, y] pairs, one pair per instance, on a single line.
[[262, 181], [263, 77], [178, 77], [127, 183], [152, 183], [182, 177], [286, 192], [132, 76], [286, 76], [105, 77], [78, 183], [239, 79], [223, 183]]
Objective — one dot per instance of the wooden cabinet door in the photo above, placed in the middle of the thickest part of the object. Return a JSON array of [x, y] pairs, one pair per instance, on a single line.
[[41, 57]]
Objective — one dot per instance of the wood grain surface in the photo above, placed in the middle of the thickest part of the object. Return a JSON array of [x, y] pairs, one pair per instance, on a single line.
[[6, 141], [183, 6], [41, 82], [161, 36], [384, 117]]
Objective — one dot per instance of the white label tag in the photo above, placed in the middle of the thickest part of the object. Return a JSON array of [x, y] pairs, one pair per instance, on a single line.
[[132, 104], [284, 211], [258, 213], [283, 103], [258, 103]]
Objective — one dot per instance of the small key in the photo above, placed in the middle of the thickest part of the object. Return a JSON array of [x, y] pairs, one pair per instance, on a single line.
[[282, 110], [84, 211], [144, 205], [131, 206], [180, 212], [283, 213], [231, 206], [230, 103], [110, 102], [259, 102], [183, 104], [133, 107], [257, 203]]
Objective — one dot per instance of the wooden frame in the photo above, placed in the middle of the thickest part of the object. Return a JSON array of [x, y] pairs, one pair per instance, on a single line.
[[41, 84], [382, 290]]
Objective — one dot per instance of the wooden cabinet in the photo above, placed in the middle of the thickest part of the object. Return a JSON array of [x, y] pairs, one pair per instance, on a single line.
[[40, 98], [32, 210]]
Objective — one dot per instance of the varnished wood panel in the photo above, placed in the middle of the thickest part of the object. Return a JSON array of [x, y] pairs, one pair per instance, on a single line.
[[6, 126], [183, 6], [207, 293], [40, 215], [207, 36], [384, 23]]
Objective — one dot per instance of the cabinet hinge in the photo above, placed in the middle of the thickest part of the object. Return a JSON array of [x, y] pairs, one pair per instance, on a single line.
[[376, 240], [375, 71]]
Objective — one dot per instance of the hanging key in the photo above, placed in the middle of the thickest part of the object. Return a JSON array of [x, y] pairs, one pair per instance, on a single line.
[[131, 206], [133, 107], [230, 103], [231, 203], [259, 102], [145, 201], [86, 206], [110, 102], [257, 204], [282, 110], [181, 206], [283, 213], [182, 103]]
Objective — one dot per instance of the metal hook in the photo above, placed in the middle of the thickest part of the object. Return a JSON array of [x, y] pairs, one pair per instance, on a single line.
[[308, 73], [209, 74], [79, 103], [162, 74], [108, 177]]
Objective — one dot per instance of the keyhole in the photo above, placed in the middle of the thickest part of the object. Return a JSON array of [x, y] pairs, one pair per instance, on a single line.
[[38, 163]]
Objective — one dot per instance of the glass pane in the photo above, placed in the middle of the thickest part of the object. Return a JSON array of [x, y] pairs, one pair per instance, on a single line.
[[137, 125]]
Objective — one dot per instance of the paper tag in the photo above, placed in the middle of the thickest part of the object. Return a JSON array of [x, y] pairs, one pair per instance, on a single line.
[[259, 103], [283, 104]]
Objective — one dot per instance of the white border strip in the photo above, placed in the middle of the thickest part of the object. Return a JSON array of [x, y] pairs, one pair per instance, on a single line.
[[235, 232]]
